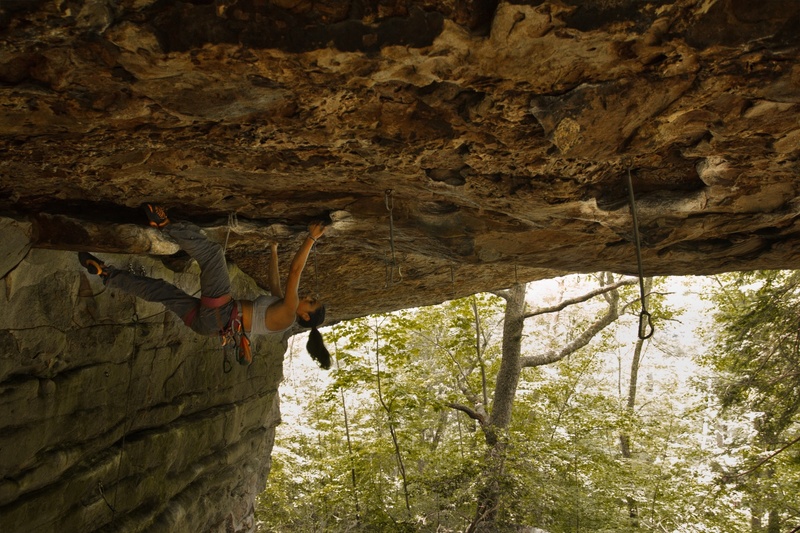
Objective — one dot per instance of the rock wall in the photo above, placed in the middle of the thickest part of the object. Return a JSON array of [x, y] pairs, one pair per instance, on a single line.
[[456, 146], [113, 416]]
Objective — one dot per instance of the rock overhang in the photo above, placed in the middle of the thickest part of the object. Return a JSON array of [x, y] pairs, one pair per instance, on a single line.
[[457, 147]]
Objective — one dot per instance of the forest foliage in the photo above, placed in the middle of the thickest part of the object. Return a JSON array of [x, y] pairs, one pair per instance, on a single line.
[[621, 434]]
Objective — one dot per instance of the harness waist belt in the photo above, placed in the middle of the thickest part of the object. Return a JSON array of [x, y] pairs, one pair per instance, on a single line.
[[208, 303], [214, 303]]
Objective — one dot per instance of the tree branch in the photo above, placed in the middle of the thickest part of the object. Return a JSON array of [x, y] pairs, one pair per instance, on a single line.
[[768, 458], [470, 412], [501, 293], [579, 299], [579, 342]]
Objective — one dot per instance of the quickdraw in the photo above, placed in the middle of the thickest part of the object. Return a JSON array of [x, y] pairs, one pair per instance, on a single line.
[[235, 340], [390, 267], [645, 319]]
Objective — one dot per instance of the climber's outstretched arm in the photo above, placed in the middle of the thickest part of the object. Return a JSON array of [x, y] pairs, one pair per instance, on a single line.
[[274, 275]]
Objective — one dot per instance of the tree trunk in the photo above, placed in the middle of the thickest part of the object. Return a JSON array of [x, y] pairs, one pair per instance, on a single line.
[[510, 366], [494, 425], [399, 456], [350, 452], [774, 522], [624, 439], [504, 392], [490, 494], [755, 520]]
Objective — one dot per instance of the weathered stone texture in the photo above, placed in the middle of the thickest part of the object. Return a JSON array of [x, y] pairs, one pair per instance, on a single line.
[[504, 130]]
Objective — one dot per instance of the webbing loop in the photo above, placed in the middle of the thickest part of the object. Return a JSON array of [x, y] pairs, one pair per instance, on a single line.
[[391, 266], [645, 320], [233, 221]]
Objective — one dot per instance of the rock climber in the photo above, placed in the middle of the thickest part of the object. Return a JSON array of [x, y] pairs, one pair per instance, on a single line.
[[216, 312]]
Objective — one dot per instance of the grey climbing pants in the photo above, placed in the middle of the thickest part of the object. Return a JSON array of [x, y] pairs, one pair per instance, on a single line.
[[214, 282]]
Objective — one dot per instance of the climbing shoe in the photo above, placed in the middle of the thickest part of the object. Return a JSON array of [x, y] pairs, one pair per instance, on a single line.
[[94, 265], [157, 215]]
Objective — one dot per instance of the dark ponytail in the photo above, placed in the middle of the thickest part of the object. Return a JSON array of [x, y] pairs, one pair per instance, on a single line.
[[315, 345]]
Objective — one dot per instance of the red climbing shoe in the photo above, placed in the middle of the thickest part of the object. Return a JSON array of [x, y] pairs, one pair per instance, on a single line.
[[156, 214], [93, 265]]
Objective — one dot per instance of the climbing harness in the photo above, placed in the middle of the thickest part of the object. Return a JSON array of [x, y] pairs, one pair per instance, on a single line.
[[390, 266], [645, 320], [235, 339], [230, 329]]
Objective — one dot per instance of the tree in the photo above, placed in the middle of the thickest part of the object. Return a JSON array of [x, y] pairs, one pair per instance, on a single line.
[[756, 358], [512, 363], [555, 464]]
